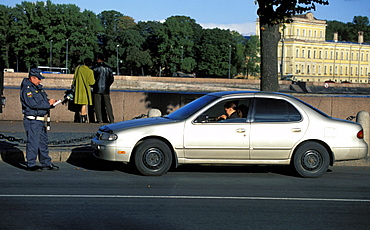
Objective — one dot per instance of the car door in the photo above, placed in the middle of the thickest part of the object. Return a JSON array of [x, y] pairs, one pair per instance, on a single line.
[[211, 139], [275, 128]]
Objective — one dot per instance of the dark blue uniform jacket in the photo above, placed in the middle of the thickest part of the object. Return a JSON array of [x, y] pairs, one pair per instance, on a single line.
[[34, 100]]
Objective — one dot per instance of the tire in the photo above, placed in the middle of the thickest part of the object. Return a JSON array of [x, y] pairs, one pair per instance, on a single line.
[[311, 159], [153, 157]]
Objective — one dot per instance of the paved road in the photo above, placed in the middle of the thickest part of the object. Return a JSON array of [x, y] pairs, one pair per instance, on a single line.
[[97, 194]]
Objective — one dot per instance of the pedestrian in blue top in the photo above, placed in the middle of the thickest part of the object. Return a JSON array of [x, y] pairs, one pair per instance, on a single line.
[[35, 106]]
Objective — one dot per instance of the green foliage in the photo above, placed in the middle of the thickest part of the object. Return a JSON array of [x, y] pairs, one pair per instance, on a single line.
[[252, 54], [40, 33], [349, 31]]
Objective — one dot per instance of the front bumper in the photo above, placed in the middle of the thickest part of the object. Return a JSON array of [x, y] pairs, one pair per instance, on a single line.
[[107, 150]]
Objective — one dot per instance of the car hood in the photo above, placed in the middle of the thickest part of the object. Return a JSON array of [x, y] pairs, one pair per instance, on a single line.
[[135, 123]]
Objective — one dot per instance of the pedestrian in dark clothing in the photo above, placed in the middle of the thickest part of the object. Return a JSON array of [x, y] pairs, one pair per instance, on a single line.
[[101, 89], [35, 106]]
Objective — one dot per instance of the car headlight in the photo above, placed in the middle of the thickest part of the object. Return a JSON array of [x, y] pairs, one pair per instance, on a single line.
[[108, 136]]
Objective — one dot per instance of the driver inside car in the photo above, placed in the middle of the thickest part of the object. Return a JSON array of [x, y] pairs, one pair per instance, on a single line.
[[231, 111]]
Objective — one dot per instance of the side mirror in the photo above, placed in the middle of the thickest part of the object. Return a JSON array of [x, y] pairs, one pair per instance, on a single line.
[[202, 119]]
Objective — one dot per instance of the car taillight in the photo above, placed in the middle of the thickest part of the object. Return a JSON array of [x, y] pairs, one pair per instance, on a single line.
[[360, 134]]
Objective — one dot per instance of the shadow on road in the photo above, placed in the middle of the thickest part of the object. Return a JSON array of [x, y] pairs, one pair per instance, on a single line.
[[281, 170], [12, 155], [83, 157]]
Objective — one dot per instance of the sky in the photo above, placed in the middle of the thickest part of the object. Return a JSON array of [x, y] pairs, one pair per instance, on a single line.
[[238, 15]]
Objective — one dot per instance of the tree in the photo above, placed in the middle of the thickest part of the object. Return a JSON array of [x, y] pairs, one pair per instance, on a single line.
[[252, 52], [152, 32], [272, 13], [177, 47], [349, 31], [214, 52], [6, 35]]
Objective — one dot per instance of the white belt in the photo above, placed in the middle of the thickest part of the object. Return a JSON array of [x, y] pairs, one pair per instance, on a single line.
[[35, 118]]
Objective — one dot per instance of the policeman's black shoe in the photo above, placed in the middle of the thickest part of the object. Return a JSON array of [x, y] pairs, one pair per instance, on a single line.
[[34, 169], [51, 167]]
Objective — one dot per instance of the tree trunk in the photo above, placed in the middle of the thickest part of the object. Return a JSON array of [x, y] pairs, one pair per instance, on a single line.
[[270, 37]]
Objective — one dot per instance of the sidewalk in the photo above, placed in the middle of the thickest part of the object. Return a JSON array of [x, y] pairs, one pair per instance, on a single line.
[[70, 141], [65, 139]]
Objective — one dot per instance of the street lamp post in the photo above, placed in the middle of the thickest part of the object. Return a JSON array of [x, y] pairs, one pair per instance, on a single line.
[[67, 56], [282, 53], [117, 60], [182, 54], [229, 60], [51, 54]]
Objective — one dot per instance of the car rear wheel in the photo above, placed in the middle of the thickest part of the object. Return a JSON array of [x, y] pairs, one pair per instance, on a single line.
[[311, 160], [153, 157]]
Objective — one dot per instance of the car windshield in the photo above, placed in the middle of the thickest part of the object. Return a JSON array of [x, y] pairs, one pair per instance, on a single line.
[[191, 108]]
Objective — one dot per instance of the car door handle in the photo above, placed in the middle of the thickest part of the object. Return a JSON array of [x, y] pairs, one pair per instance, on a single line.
[[241, 130], [296, 130]]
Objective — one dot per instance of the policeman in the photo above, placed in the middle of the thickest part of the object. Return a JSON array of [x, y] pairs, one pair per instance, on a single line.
[[35, 105]]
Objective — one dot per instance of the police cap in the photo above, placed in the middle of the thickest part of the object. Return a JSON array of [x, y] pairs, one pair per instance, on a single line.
[[36, 73]]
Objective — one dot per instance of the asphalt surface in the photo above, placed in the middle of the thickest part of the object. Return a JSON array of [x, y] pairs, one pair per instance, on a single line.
[[106, 195]]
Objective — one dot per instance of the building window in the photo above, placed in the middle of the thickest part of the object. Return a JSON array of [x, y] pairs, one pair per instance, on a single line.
[[309, 54], [325, 70], [331, 70], [302, 69], [326, 55], [314, 54], [319, 69], [320, 54], [341, 55], [303, 53], [347, 56]]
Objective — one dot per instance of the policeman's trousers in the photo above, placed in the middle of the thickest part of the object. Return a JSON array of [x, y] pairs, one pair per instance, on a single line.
[[37, 143]]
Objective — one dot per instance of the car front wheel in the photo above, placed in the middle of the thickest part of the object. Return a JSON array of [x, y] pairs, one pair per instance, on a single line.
[[153, 157], [311, 160]]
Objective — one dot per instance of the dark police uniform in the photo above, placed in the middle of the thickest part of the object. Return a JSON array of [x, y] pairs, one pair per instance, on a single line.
[[35, 106]]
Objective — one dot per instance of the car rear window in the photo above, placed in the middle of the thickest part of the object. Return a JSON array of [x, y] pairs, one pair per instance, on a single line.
[[275, 110]]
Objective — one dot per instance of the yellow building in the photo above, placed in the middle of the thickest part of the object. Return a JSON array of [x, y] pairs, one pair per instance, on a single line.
[[308, 57]]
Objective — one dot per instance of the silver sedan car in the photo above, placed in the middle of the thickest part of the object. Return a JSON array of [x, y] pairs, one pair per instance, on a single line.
[[258, 128]]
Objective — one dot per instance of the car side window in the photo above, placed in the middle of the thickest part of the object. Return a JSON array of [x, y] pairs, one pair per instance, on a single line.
[[275, 110], [212, 115]]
